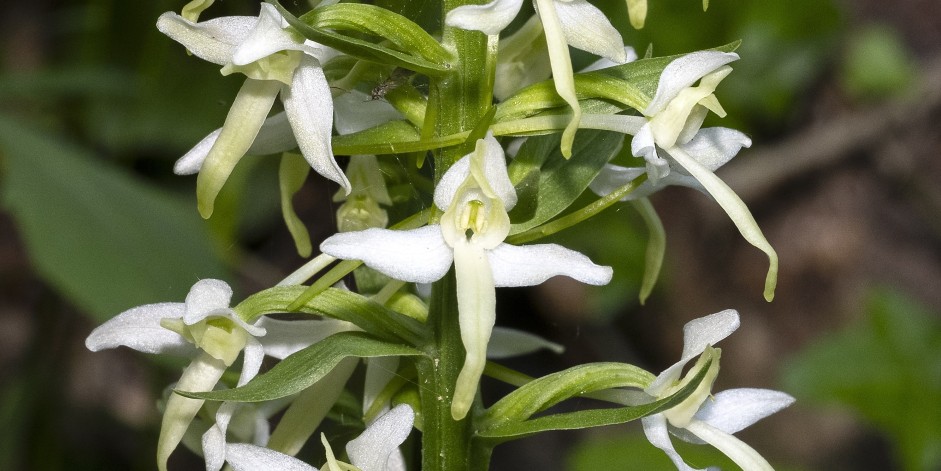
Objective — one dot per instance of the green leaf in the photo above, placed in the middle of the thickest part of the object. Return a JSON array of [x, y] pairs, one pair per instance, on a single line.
[[337, 304], [560, 180], [545, 392], [886, 369], [304, 368], [312, 27], [104, 239], [588, 418]]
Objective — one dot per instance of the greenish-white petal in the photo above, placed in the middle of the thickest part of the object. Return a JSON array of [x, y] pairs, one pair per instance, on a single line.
[[637, 11], [738, 451], [476, 300], [562, 73]]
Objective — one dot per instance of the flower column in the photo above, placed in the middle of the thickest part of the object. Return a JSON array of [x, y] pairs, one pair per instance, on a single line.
[[456, 102]]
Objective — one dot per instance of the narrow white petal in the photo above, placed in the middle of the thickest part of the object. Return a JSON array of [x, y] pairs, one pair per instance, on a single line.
[[309, 106], [371, 450], [684, 72], [490, 18], [201, 375], [588, 28], [213, 40], [734, 409], [477, 312], [506, 342], [530, 265], [562, 74], [245, 118], [697, 335], [252, 357], [287, 337], [655, 428], [244, 457], [737, 211], [379, 371], [268, 37], [214, 439], [356, 111], [193, 160], [450, 182], [419, 255], [713, 147], [139, 328], [495, 171], [742, 454], [274, 137], [205, 297]]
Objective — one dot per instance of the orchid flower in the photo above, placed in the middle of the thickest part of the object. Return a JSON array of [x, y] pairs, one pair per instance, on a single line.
[[575, 23], [701, 418], [475, 195], [276, 62], [376, 449], [677, 151], [205, 328]]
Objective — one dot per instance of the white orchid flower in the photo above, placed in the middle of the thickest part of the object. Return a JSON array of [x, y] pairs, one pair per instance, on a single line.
[[205, 328], [671, 141], [275, 61], [575, 23], [376, 449], [702, 418], [475, 195]]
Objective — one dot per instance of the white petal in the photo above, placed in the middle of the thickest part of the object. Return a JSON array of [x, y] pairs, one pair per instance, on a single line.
[[419, 255], [205, 297], [192, 161], [252, 357], [371, 450], [642, 145], [737, 211], [490, 18], [213, 40], [630, 55], [530, 265], [683, 72], [734, 409], [287, 337], [613, 177], [655, 428], [139, 328], [450, 182], [742, 454], [697, 335], [477, 312], [495, 170], [214, 439], [506, 342], [244, 457], [713, 147], [355, 111], [309, 106], [268, 37], [588, 28]]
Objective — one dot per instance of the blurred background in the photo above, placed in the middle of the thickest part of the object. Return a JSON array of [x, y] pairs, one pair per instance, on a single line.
[[841, 98]]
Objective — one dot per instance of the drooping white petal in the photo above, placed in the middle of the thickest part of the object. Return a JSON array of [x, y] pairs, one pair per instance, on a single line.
[[630, 55], [562, 74], [245, 118], [274, 137], [655, 428], [252, 357], [477, 312], [309, 107], [245, 457], [740, 453], [371, 450], [588, 28], [735, 409], [268, 37], [139, 328], [506, 342], [206, 297], [697, 335], [419, 255], [213, 40], [355, 111], [530, 265], [287, 337], [736, 210], [201, 375], [490, 18], [213, 441], [682, 73]]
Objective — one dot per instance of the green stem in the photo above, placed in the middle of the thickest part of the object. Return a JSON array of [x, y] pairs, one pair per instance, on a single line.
[[572, 219]]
